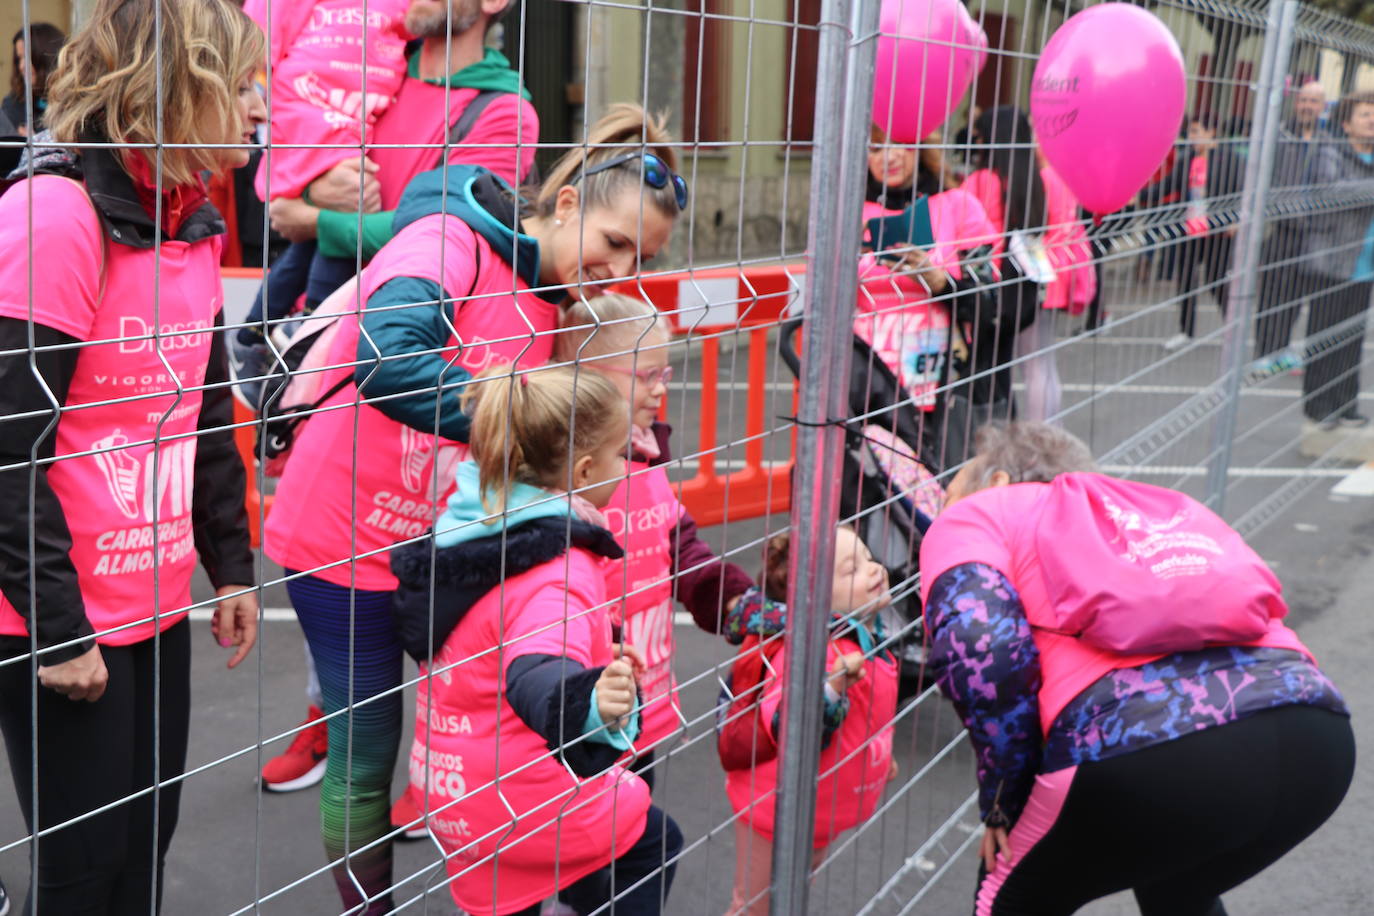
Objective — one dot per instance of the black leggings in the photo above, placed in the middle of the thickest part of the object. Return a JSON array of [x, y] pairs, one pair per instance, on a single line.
[[91, 754], [1331, 383], [1183, 822], [608, 890], [1214, 255]]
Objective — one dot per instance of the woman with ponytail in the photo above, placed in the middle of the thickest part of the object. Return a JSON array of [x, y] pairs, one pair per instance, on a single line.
[[473, 277]]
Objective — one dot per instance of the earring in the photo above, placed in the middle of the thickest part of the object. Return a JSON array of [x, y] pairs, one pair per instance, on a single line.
[[557, 222]]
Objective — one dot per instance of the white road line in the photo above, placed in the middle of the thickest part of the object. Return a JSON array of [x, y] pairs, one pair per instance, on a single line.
[[286, 614], [1360, 482], [269, 614], [1197, 470], [1074, 387], [1193, 470]]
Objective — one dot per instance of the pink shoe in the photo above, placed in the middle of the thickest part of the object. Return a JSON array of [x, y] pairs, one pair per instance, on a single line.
[[405, 814], [302, 765]]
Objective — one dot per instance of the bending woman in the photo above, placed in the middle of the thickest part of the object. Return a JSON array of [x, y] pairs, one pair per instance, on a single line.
[[1175, 744], [122, 460], [469, 280]]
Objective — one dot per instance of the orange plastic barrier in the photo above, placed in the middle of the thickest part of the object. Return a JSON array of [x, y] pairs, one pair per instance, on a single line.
[[701, 305]]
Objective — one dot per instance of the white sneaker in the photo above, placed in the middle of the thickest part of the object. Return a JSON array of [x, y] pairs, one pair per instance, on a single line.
[[1177, 342]]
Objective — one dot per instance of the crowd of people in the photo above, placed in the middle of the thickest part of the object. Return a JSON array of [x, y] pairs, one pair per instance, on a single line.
[[481, 483]]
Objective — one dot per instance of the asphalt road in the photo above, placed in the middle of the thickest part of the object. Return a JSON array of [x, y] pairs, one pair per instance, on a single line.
[[236, 845]]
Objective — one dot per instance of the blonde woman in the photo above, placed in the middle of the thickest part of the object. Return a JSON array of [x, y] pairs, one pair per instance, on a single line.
[[115, 404]]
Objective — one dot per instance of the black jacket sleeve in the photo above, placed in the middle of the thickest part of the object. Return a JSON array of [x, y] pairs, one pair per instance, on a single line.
[[219, 518], [28, 432], [553, 695]]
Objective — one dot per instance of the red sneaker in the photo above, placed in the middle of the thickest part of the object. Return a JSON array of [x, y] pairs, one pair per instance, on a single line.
[[302, 765], [405, 814]]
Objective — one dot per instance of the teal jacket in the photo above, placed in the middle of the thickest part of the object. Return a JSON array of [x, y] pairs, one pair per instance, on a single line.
[[414, 316]]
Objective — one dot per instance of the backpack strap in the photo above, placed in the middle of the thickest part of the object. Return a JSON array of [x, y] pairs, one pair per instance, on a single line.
[[460, 129]]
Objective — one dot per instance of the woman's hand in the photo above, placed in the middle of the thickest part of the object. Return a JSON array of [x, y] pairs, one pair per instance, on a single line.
[[918, 263], [337, 189], [846, 671], [294, 218], [995, 841], [615, 692], [80, 678], [235, 621]]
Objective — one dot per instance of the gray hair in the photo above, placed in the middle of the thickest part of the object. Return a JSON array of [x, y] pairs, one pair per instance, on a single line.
[[1029, 452]]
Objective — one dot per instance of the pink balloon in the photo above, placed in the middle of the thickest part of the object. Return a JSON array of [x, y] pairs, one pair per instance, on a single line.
[[928, 53], [1107, 101]]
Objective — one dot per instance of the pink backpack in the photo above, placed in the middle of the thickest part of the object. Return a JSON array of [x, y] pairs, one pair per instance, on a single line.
[[1135, 569]]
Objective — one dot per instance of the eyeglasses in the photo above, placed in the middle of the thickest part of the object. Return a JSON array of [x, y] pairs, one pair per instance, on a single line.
[[650, 377], [655, 170]]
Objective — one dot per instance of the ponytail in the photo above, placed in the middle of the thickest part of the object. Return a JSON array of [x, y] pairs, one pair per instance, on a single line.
[[529, 427], [623, 129]]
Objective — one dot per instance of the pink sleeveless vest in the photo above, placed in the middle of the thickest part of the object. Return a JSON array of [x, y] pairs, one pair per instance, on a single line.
[[641, 515], [998, 527]]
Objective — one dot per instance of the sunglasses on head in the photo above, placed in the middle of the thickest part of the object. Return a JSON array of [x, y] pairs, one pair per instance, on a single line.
[[655, 170]]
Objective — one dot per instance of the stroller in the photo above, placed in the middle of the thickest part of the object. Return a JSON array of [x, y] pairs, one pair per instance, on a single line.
[[888, 487]]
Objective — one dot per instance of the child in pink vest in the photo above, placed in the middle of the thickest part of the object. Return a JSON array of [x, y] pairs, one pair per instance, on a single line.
[[625, 341], [528, 704], [860, 701], [336, 65]]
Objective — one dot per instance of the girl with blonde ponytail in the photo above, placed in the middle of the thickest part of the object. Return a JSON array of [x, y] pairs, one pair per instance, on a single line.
[[507, 612]]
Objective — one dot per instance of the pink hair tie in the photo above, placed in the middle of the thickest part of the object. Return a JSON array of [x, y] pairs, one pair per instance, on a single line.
[[524, 380]]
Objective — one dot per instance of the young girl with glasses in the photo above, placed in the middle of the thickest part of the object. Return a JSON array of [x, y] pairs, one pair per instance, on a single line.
[[626, 341]]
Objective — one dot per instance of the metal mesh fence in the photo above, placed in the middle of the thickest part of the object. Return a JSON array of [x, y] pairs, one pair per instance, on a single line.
[[501, 257]]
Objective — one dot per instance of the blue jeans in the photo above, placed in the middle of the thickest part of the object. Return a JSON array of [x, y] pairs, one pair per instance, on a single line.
[[300, 269]]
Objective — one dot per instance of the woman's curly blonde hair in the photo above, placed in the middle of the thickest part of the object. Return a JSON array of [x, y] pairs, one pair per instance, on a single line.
[[189, 55]]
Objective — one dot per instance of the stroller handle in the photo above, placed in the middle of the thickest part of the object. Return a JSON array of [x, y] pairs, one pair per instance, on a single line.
[[787, 345]]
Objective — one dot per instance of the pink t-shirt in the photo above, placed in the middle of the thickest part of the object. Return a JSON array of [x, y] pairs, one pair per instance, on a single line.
[[356, 481], [125, 470], [513, 810], [335, 69], [502, 140], [853, 769], [1066, 242], [895, 316], [642, 514]]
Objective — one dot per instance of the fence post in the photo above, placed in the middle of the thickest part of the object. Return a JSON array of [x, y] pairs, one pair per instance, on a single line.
[[1259, 167], [844, 103]]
